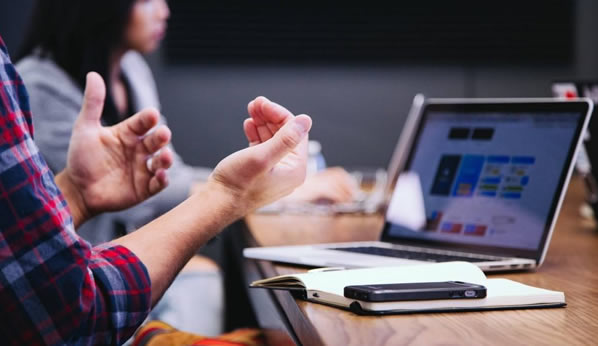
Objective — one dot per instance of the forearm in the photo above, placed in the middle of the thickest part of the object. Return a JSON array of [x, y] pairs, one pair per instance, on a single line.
[[166, 244]]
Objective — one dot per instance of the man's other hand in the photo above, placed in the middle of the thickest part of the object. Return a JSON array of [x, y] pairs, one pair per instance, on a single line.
[[275, 162], [112, 168]]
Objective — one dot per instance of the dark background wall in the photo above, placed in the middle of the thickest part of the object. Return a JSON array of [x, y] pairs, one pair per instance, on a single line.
[[358, 107]]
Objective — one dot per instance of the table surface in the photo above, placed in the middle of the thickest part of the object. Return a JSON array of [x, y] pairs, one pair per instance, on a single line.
[[570, 267]]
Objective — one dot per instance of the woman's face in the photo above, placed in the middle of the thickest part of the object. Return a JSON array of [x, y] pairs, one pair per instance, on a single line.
[[147, 25]]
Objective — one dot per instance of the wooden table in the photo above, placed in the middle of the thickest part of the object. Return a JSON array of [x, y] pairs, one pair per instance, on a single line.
[[571, 266]]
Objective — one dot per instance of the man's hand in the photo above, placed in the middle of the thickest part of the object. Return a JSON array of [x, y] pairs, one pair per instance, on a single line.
[[107, 167], [274, 164]]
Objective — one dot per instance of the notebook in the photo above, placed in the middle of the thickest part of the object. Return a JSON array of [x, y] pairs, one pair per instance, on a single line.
[[327, 287], [477, 180]]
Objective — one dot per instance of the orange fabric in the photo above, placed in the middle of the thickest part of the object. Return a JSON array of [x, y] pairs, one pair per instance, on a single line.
[[156, 333]]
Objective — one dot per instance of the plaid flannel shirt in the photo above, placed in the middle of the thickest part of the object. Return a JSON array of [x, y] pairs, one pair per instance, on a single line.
[[54, 287]]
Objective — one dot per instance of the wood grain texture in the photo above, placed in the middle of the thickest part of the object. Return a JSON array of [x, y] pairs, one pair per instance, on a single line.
[[571, 266]]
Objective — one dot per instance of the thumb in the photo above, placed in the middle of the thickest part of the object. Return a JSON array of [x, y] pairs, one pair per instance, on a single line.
[[286, 139], [93, 98]]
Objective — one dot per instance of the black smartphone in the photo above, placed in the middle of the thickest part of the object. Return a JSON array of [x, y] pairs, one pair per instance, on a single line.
[[415, 291]]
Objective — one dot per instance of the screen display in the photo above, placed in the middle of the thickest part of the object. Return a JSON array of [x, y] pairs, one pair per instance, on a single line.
[[488, 179]]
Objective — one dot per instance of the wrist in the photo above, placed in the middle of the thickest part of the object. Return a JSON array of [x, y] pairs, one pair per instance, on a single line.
[[227, 201], [74, 198]]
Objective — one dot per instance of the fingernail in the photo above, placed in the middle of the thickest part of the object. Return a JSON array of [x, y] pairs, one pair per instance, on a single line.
[[301, 124]]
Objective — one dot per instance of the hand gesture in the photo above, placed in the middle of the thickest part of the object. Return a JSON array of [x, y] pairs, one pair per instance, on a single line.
[[275, 162], [112, 168]]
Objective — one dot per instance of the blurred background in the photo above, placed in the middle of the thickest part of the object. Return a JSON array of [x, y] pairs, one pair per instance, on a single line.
[[353, 66]]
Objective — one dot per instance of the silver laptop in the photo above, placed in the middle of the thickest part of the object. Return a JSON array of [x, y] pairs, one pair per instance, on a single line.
[[477, 180]]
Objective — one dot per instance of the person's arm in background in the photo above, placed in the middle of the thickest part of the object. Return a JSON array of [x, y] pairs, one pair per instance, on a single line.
[[331, 185]]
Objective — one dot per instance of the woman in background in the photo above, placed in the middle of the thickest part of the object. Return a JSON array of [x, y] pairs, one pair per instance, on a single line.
[[67, 39]]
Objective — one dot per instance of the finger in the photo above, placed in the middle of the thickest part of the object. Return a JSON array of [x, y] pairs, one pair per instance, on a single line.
[[93, 98], [329, 197], [157, 139], [264, 133], [269, 117], [286, 139], [335, 193], [274, 115], [343, 193], [140, 123], [251, 132], [255, 111], [251, 107], [158, 182], [162, 160]]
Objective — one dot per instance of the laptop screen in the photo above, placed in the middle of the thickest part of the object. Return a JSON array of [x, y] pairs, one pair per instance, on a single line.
[[485, 176]]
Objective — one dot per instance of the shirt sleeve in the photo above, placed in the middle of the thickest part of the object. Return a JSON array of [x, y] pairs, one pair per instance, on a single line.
[[54, 287]]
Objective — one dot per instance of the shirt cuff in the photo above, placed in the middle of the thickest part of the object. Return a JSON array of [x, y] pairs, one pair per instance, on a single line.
[[124, 286]]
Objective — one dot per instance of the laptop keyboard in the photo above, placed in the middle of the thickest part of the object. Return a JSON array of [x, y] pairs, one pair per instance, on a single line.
[[414, 255]]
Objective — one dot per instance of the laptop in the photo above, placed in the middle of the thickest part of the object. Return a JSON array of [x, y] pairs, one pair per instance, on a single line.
[[476, 180]]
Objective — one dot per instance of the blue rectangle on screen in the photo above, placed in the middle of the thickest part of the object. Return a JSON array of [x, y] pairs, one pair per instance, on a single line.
[[469, 173], [492, 180], [511, 195], [498, 159], [523, 160], [488, 193]]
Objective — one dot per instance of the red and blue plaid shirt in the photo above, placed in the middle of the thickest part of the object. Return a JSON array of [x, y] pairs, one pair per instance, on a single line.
[[54, 287]]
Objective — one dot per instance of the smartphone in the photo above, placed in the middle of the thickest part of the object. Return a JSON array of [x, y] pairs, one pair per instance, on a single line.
[[415, 291]]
